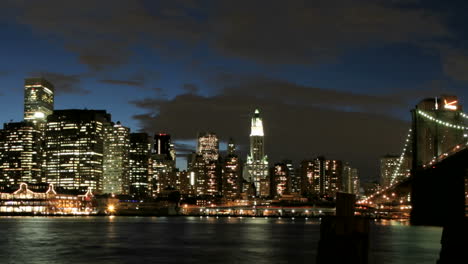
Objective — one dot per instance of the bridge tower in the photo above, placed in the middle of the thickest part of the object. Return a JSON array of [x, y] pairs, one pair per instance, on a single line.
[[438, 184]]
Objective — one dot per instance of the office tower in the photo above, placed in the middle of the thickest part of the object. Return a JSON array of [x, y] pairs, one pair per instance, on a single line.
[[208, 146], [115, 161], [186, 184], [294, 178], [350, 183], [139, 164], [20, 153], [321, 176], [307, 177], [280, 180], [164, 146], [198, 173], [208, 149], [163, 164], [436, 128], [333, 177], [74, 148], [38, 99], [355, 181], [231, 173], [256, 167], [388, 167]]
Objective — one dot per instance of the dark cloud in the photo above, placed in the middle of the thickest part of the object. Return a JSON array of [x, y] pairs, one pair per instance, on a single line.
[[106, 33], [190, 88], [63, 83], [455, 63], [123, 82], [310, 31], [294, 128]]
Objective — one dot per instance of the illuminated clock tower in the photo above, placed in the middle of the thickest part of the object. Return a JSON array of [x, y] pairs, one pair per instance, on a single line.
[[256, 167], [38, 99]]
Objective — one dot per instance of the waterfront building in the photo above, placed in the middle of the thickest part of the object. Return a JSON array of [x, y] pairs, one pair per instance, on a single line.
[[74, 149], [20, 154], [256, 166], [139, 164], [46, 202], [294, 177], [116, 160], [38, 99]]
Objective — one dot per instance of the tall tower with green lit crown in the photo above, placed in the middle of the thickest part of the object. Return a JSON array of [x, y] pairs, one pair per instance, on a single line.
[[256, 167]]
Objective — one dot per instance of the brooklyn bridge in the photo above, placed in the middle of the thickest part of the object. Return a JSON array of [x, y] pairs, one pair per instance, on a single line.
[[431, 178]]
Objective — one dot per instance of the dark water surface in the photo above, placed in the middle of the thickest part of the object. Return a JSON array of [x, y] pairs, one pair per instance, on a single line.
[[196, 240]]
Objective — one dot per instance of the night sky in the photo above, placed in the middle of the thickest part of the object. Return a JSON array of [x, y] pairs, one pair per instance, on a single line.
[[333, 77]]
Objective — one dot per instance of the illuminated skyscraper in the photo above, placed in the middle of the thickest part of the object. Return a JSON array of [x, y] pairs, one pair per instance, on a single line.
[[388, 166], [20, 153], [139, 164], [208, 146], [281, 181], [231, 173], [115, 164], [38, 99], [256, 167], [321, 176], [350, 180], [163, 164], [74, 148]]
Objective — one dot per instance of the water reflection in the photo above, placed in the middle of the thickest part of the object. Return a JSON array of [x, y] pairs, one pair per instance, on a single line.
[[117, 239]]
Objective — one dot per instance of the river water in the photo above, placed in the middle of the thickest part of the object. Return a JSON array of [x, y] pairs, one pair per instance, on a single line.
[[196, 240]]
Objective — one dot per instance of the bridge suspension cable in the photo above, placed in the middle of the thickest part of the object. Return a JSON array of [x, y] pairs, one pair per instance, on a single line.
[[441, 122], [402, 157]]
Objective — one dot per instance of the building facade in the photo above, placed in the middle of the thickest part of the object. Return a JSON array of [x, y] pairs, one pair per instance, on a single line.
[[256, 166], [74, 149], [139, 164], [116, 160], [38, 99], [20, 153]]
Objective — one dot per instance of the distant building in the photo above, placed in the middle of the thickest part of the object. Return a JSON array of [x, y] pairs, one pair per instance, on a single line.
[[163, 164], [321, 176], [350, 180], [256, 167], [208, 146], [20, 153], [231, 173], [280, 183], [38, 99], [115, 161], [139, 164], [388, 167], [74, 149]]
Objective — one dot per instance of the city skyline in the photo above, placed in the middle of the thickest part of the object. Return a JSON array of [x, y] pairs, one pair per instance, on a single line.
[[181, 60]]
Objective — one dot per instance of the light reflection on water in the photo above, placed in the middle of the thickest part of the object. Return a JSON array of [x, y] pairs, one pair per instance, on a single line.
[[195, 240]]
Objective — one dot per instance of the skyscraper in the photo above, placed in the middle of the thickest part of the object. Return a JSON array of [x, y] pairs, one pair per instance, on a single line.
[[256, 167], [281, 181], [115, 161], [74, 148], [208, 146], [231, 173], [20, 153], [38, 99], [139, 164], [388, 166], [321, 176], [350, 179], [163, 164]]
